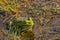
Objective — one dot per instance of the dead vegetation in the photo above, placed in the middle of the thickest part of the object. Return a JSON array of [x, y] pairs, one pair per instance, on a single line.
[[45, 13]]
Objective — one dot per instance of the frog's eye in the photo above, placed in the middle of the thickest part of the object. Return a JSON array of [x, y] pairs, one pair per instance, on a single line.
[[28, 18]]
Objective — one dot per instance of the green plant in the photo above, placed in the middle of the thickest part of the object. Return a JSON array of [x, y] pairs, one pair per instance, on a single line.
[[55, 9]]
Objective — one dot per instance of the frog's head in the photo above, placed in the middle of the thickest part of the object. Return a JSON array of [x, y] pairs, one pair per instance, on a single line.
[[30, 22], [24, 22]]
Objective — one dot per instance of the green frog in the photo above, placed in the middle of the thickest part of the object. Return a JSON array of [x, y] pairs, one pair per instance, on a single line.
[[19, 25]]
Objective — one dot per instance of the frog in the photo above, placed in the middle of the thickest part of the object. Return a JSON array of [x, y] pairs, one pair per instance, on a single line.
[[19, 25]]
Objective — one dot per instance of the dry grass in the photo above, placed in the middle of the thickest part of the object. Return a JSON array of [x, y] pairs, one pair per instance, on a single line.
[[44, 13]]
